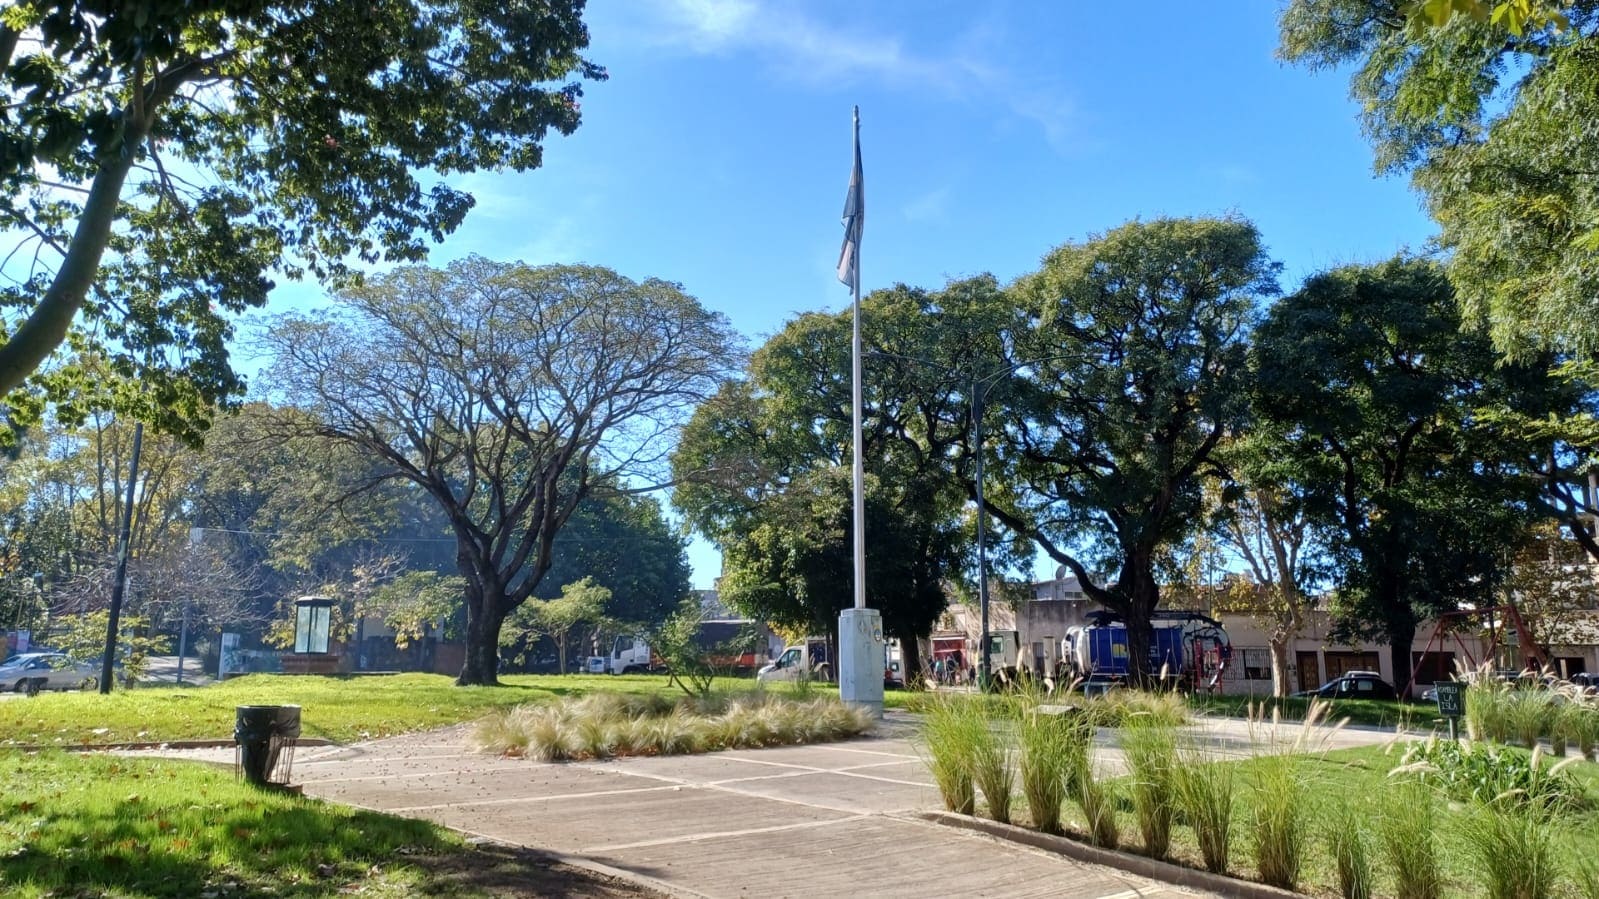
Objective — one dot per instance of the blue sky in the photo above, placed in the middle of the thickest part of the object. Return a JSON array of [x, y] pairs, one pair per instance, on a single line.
[[718, 153]]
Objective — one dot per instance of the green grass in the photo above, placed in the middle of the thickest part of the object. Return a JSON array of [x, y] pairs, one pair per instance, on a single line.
[[341, 709], [1360, 712], [91, 825]]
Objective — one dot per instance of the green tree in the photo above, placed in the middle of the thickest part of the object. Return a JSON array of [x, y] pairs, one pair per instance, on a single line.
[[763, 468], [1378, 394], [1136, 370], [623, 542], [1489, 113], [168, 159], [507, 394], [580, 603]]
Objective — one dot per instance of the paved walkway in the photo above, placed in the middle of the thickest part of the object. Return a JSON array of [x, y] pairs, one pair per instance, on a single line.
[[810, 821], [828, 820]]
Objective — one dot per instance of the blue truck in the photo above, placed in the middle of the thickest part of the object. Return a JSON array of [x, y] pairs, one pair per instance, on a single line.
[[1186, 649]]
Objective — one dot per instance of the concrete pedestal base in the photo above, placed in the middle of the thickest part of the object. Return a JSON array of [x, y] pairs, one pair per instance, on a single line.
[[861, 659]]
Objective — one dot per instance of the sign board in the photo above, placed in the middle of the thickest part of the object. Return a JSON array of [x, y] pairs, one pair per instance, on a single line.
[[1451, 699]]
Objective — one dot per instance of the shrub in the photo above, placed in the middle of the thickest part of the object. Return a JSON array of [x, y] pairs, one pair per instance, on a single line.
[[1346, 841], [1118, 708], [1053, 747], [1204, 792], [1405, 831], [1485, 774], [1150, 746]]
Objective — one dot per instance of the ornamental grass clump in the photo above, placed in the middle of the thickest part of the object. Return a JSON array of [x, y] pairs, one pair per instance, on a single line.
[[1205, 796], [1098, 798], [1407, 839], [991, 769], [1280, 818], [1345, 836], [1513, 851], [951, 729], [1051, 748], [1487, 707], [1530, 713], [1150, 747], [606, 725]]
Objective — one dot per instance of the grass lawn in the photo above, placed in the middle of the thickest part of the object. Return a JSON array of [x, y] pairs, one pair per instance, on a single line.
[[91, 825], [1359, 777], [341, 709], [1362, 712]]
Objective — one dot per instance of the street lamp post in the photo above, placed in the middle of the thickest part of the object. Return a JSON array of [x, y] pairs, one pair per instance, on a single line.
[[980, 387]]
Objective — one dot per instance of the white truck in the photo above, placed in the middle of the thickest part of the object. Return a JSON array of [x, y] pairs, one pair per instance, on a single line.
[[808, 659]]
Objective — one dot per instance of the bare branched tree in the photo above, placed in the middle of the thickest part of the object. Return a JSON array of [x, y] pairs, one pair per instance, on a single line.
[[509, 394]]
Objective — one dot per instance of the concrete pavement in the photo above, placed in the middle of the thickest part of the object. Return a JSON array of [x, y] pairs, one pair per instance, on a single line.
[[825, 820]]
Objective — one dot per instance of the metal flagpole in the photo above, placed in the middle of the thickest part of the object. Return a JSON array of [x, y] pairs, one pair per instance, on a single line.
[[861, 656], [855, 363]]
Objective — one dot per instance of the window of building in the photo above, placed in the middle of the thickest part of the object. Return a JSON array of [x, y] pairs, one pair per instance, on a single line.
[[1257, 664]]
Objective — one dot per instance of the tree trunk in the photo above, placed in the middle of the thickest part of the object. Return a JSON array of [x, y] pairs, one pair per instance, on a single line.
[[560, 650], [1143, 596], [910, 659], [484, 616], [1281, 679], [1399, 656]]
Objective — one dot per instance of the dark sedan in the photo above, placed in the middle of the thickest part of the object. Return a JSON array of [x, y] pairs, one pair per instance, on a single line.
[[1353, 685]]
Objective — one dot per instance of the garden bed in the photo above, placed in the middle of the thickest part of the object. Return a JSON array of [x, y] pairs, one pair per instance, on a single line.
[[1294, 816], [607, 725]]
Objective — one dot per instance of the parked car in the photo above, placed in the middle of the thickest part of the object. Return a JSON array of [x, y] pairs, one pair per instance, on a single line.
[[31, 672], [1353, 685]]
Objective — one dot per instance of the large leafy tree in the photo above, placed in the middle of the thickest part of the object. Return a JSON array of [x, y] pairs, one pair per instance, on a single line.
[[1131, 371], [764, 468], [509, 395], [1379, 395], [163, 161], [1493, 114]]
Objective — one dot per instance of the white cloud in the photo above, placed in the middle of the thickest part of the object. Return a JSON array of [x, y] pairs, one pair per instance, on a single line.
[[810, 51]]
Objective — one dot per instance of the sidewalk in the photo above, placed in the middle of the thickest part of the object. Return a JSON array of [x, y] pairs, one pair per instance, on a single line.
[[824, 820]]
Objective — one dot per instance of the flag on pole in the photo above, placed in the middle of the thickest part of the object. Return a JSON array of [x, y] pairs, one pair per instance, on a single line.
[[849, 271]]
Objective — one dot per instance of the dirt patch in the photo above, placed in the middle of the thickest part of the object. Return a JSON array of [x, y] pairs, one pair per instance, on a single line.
[[512, 872]]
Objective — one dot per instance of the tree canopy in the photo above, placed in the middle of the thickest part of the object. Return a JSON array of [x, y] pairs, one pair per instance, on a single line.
[[1379, 394], [1493, 115], [1130, 371], [163, 162], [508, 394]]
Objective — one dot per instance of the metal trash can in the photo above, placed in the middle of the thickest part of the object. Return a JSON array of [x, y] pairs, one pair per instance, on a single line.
[[265, 736]]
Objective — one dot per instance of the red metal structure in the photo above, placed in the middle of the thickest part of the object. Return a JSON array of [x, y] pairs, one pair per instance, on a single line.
[[1452, 624]]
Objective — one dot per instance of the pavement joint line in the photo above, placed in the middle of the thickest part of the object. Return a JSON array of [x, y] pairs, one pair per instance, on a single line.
[[512, 801], [720, 834], [1126, 894], [399, 776], [413, 758], [896, 755], [887, 780], [791, 801]]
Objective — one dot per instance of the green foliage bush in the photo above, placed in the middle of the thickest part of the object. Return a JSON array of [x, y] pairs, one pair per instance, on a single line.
[[1486, 774]]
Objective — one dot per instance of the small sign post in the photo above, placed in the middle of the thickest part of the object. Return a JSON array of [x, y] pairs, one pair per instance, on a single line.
[[1452, 705]]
